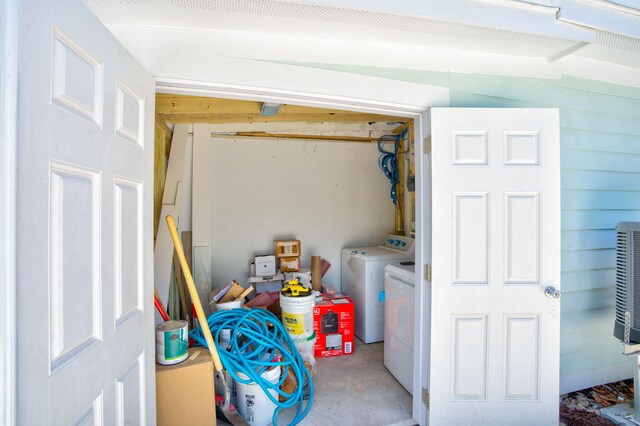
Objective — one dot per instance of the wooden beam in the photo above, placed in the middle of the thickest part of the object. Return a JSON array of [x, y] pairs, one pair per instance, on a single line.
[[296, 136], [402, 128], [180, 109], [159, 171], [219, 118]]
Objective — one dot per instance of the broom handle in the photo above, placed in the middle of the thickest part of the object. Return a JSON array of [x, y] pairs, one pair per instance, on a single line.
[[195, 299]]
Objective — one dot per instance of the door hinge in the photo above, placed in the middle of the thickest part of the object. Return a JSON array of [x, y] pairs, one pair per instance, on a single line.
[[427, 145], [425, 397], [427, 272]]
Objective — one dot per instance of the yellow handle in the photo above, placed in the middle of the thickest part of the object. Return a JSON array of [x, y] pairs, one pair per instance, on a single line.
[[195, 299]]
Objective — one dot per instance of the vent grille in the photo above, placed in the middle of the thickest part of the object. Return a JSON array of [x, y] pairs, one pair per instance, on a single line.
[[373, 19], [621, 276], [635, 277], [618, 42]]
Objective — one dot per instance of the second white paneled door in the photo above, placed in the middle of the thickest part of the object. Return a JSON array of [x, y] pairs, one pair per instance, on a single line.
[[494, 357]]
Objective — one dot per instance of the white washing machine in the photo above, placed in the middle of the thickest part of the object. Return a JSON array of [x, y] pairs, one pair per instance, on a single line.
[[363, 282], [399, 287]]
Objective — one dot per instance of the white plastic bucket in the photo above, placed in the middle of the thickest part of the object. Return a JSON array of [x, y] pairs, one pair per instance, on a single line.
[[253, 403], [172, 342], [297, 314]]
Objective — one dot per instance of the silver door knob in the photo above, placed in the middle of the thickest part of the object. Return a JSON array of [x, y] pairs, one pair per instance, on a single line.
[[552, 292]]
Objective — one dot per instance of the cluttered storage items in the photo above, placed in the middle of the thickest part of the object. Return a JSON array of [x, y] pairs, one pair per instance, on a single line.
[[255, 354]]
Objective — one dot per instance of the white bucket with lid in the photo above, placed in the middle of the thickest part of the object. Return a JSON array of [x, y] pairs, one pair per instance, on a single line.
[[297, 314], [253, 403], [172, 342]]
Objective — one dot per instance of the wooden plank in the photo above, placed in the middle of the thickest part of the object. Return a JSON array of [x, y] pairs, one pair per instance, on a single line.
[[196, 109], [159, 167], [400, 202], [295, 136], [412, 172], [187, 246], [182, 291], [401, 128], [217, 118]]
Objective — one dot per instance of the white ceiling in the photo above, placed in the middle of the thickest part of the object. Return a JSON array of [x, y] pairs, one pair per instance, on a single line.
[[486, 36]]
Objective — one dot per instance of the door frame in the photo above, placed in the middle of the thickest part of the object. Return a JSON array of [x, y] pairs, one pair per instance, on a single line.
[[9, 31], [420, 115]]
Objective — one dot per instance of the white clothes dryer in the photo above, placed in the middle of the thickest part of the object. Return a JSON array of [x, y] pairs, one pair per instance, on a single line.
[[363, 281]]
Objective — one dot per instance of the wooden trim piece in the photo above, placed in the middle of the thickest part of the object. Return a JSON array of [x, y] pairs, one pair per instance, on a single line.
[[328, 117], [402, 127], [159, 174], [400, 188], [296, 136]]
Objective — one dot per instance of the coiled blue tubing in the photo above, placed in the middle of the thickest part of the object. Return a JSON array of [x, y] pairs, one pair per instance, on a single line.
[[253, 347]]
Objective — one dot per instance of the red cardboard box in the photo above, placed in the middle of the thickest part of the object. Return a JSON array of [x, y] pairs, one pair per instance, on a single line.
[[333, 323]]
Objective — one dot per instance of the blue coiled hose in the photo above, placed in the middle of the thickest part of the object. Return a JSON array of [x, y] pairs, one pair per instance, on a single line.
[[257, 337]]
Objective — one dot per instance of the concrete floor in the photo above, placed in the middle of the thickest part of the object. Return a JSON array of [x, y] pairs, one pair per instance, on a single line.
[[356, 390]]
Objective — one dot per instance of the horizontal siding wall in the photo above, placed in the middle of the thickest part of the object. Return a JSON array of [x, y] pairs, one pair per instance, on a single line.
[[600, 180], [600, 160]]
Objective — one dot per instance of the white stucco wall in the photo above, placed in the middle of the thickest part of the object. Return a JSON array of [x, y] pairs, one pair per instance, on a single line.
[[329, 195]]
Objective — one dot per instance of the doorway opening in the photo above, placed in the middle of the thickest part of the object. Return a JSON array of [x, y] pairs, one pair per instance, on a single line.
[[305, 173]]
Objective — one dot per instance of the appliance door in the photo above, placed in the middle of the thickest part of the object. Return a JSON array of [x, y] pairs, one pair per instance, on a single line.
[[398, 329]]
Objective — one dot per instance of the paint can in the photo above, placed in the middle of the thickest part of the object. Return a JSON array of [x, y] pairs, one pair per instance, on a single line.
[[172, 342], [297, 314], [253, 403]]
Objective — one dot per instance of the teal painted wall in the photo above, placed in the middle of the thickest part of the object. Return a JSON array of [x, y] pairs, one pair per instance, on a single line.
[[600, 160]]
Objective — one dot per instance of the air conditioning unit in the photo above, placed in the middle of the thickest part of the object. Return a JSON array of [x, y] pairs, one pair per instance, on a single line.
[[627, 325]]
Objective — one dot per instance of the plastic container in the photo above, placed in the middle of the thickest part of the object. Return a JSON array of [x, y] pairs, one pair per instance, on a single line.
[[172, 344], [305, 345], [253, 403], [297, 314], [235, 304]]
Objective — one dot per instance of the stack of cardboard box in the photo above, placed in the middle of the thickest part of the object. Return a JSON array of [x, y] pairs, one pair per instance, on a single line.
[[264, 274], [288, 254]]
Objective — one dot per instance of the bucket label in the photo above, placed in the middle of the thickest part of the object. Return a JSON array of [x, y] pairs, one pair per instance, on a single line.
[[175, 344], [296, 323]]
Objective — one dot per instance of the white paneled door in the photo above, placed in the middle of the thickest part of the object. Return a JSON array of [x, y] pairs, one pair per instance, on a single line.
[[494, 353], [85, 180]]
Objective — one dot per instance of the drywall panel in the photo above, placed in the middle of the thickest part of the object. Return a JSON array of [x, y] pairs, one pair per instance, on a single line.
[[328, 195]]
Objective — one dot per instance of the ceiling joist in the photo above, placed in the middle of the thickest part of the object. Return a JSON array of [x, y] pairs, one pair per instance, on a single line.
[[179, 109]]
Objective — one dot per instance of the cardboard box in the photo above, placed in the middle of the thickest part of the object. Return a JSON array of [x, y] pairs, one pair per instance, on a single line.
[[267, 300], [287, 248], [226, 294], [265, 265], [289, 264], [184, 392], [333, 322]]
